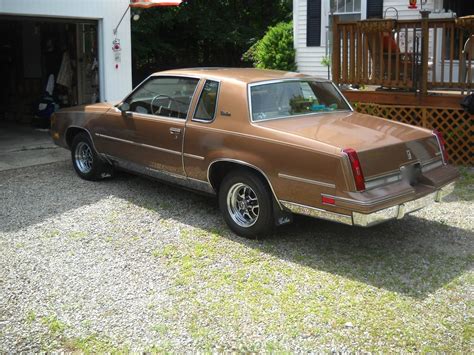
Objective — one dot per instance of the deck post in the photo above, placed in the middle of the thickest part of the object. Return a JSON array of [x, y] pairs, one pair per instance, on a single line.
[[425, 36], [336, 50]]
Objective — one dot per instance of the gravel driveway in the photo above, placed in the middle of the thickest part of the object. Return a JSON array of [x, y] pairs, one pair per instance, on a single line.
[[131, 264]]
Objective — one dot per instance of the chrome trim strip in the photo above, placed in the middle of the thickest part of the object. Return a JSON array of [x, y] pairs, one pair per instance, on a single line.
[[113, 138], [430, 166], [245, 164], [383, 175], [367, 203], [440, 150], [180, 180], [165, 173], [175, 152], [199, 99], [317, 213], [444, 191], [340, 93], [432, 160], [192, 156], [307, 181]]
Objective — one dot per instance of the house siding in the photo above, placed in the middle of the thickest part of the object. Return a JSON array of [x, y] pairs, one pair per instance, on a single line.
[[404, 13], [308, 59]]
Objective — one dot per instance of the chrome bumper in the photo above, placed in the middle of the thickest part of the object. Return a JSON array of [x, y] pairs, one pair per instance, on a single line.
[[399, 211], [367, 220]]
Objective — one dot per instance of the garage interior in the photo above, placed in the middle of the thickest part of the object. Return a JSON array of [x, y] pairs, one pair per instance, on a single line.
[[45, 64]]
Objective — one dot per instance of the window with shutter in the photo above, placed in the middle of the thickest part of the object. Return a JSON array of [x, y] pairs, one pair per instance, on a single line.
[[375, 8], [313, 30]]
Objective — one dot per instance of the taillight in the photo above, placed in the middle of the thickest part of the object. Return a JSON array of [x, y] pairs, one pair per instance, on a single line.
[[356, 168], [442, 145]]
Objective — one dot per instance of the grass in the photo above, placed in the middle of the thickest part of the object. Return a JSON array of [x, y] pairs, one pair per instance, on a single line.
[[54, 325], [364, 298], [93, 344], [465, 185]]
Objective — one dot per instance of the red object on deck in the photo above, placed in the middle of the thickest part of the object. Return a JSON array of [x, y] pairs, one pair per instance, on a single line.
[[153, 3], [412, 4]]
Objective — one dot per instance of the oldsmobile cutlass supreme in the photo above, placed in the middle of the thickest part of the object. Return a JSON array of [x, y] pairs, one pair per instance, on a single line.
[[268, 143]]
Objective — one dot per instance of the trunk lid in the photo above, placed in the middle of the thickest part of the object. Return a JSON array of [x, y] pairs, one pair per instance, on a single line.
[[382, 145]]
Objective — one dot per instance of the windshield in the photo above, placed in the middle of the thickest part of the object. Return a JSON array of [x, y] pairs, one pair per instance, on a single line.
[[292, 98]]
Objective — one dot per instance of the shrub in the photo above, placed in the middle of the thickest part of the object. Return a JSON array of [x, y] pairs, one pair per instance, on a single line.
[[275, 50]]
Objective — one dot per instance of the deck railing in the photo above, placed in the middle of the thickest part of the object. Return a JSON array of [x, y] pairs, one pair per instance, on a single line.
[[418, 55]]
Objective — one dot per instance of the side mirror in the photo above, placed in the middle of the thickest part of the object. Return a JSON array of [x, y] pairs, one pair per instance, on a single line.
[[124, 107]]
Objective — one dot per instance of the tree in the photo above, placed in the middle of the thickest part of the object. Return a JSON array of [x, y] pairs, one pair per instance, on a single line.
[[201, 33], [275, 50]]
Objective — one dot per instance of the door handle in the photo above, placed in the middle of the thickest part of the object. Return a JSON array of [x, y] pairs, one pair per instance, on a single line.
[[175, 131]]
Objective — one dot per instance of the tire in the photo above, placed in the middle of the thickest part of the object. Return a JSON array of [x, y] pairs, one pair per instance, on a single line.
[[246, 204], [87, 163]]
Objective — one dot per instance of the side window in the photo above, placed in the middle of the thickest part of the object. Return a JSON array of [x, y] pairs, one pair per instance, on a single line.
[[163, 96], [206, 108]]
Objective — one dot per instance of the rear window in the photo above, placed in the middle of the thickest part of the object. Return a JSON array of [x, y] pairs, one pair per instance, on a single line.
[[293, 98]]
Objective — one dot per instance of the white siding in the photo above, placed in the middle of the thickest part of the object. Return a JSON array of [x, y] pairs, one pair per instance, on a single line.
[[404, 13], [114, 83], [308, 59]]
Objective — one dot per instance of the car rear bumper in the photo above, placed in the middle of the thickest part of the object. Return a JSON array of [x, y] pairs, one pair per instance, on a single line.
[[399, 211]]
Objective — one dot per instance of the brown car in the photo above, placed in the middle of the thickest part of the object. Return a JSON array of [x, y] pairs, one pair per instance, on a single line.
[[268, 143]]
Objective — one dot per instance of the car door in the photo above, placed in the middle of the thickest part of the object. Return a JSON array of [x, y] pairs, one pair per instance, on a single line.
[[148, 126]]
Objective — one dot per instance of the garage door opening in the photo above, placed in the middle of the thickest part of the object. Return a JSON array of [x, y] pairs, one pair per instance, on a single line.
[[45, 64], [43, 60]]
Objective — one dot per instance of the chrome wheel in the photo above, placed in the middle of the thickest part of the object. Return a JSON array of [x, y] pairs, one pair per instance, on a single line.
[[84, 158], [242, 204]]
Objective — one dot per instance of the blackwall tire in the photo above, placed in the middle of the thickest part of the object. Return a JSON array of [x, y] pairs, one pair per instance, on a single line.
[[87, 163], [246, 204]]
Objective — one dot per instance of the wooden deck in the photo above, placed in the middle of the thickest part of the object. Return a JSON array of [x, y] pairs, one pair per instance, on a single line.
[[412, 55]]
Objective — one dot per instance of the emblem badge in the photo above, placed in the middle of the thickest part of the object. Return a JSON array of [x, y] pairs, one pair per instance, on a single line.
[[409, 154]]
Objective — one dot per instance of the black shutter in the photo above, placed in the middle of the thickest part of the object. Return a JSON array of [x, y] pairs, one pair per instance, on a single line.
[[313, 23], [375, 8]]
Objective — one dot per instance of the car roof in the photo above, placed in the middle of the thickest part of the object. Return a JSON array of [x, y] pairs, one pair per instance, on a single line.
[[244, 75]]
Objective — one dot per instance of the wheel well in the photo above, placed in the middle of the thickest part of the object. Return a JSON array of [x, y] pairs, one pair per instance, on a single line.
[[71, 133], [220, 169]]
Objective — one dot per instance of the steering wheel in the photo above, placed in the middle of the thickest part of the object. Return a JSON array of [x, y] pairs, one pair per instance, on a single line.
[[158, 111]]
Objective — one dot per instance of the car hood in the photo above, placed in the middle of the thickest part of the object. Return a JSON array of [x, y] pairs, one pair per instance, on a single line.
[[347, 130]]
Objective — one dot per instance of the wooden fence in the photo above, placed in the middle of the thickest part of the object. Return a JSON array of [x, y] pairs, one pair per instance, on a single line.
[[456, 125], [417, 55]]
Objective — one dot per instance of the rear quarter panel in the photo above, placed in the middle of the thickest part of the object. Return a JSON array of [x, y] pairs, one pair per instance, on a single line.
[[275, 153]]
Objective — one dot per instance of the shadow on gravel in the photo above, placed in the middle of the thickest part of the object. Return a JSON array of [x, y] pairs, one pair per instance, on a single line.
[[414, 257]]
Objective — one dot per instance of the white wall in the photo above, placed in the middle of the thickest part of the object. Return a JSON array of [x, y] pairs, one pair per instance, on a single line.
[[308, 59], [114, 83], [404, 13]]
